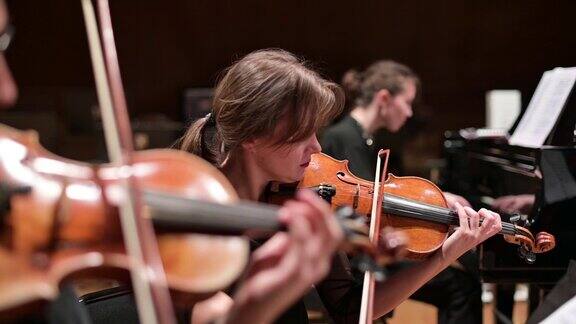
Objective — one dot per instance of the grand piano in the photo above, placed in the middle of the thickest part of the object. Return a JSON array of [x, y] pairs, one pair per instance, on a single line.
[[481, 169], [478, 169]]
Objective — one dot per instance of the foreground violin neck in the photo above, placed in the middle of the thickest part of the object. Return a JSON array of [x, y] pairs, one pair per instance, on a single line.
[[177, 213], [181, 214]]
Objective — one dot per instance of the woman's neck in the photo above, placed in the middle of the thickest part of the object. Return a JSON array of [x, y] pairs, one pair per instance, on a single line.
[[246, 178], [367, 118]]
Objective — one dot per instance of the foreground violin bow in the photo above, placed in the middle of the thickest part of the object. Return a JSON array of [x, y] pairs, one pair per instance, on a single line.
[[148, 278], [367, 303]]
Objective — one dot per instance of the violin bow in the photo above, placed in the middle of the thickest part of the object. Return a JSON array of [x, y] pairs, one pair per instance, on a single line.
[[367, 303], [148, 277]]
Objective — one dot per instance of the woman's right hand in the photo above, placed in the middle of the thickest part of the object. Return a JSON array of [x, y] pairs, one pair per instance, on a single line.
[[288, 264]]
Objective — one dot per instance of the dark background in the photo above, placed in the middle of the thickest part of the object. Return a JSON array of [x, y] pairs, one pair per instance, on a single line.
[[459, 48]]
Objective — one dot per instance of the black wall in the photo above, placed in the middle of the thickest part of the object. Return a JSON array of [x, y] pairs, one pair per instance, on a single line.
[[459, 48]]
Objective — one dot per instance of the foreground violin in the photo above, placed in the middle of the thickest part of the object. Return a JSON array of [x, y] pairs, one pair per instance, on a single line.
[[414, 205], [61, 221]]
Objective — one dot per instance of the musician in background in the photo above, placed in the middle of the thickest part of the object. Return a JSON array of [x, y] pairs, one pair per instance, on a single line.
[[382, 97], [266, 111]]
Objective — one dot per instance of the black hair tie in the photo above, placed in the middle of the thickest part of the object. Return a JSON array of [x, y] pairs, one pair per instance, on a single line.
[[210, 119]]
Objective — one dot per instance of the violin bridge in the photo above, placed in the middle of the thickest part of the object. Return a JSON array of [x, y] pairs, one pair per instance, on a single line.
[[356, 197]]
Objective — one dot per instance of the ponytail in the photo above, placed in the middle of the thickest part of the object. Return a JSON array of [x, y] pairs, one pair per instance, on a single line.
[[199, 139], [351, 83]]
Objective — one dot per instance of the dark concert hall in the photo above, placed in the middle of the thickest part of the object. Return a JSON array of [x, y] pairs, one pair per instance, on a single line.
[[295, 162]]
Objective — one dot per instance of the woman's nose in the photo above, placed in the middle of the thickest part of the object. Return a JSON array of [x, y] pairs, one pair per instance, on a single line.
[[409, 112], [315, 146]]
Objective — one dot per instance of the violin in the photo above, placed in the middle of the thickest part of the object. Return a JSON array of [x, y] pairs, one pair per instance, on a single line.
[[62, 222], [413, 205]]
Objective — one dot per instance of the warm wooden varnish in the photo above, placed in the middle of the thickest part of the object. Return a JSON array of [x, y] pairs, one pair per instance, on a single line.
[[426, 233]]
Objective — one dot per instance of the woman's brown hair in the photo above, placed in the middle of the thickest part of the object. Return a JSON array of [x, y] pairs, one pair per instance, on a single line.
[[360, 87], [254, 95]]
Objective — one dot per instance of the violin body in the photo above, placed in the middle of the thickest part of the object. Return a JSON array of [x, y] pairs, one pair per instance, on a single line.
[[414, 205], [67, 225], [424, 237]]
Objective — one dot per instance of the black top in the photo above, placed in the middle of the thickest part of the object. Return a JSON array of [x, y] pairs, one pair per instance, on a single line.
[[345, 141]]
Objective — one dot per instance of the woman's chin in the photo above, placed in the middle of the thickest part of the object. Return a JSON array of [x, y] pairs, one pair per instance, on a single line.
[[295, 177], [290, 179]]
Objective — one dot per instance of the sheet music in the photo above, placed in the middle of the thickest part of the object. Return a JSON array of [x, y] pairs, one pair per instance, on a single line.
[[544, 107], [502, 108]]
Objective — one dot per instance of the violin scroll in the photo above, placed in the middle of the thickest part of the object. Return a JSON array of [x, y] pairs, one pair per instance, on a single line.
[[544, 242], [530, 245]]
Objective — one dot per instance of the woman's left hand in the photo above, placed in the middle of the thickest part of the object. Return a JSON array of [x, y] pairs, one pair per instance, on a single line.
[[475, 227]]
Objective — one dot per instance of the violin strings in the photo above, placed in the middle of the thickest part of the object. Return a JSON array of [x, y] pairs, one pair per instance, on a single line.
[[506, 227], [439, 215], [439, 209]]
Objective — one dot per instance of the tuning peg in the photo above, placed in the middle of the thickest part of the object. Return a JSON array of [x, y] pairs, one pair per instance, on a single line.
[[325, 191], [520, 220], [527, 255]]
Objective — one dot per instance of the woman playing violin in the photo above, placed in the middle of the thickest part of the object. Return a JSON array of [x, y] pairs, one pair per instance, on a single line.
[[267, 109], [300, 256]]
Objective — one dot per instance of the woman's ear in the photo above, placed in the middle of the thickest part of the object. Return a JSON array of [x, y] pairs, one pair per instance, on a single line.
[[248, 145], [383, 96]]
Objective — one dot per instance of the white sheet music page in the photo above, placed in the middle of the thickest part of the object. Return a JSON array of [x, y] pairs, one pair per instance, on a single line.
[[544, 107]]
